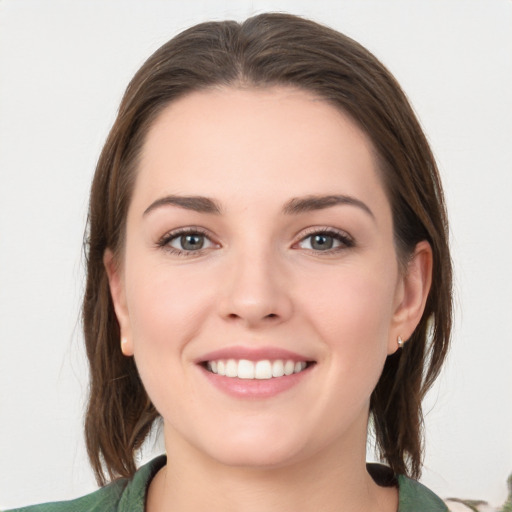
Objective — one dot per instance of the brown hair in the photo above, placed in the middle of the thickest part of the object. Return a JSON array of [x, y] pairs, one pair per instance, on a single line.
[[267, 50]]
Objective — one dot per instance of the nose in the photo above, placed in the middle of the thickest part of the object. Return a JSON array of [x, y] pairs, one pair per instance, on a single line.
[[256, 291]]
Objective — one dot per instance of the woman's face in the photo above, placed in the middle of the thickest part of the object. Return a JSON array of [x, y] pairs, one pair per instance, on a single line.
[[259, 242]]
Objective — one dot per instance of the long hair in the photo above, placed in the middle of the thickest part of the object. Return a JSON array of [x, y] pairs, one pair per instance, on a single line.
[[265, 51]]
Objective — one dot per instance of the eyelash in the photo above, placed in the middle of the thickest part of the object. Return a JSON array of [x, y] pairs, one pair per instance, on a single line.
[[165, 241], [345, 240]]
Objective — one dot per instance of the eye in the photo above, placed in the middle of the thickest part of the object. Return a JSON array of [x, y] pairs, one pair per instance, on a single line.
[[186, 241], [325, 240], [189, 242]]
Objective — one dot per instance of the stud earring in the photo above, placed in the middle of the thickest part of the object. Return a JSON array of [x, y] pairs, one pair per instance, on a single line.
[[400, 342], [124, 341]]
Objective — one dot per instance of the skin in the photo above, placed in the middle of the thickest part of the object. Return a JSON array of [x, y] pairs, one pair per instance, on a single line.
[[259, 282]]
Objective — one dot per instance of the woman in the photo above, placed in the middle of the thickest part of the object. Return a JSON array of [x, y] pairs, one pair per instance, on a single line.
[[268, 272]]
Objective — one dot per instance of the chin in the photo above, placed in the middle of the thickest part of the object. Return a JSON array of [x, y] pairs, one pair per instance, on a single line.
[[256, 457], [260, 448]]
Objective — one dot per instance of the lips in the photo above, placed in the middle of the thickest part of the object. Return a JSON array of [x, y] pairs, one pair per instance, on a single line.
[[258, 373]]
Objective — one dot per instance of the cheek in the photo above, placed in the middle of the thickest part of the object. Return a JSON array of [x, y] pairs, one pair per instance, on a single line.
[[165, 302], [353, 316], [167, 307], [355, 301]]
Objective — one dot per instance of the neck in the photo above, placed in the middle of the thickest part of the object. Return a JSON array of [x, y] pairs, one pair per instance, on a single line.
[[331, 481]]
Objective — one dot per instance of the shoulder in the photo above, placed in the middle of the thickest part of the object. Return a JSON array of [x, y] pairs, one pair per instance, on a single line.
[[412, 496], [415, 497], [121, 495], [103, 499]]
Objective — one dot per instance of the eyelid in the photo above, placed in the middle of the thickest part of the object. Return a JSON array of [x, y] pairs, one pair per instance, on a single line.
[[340, 235], [163, 241]]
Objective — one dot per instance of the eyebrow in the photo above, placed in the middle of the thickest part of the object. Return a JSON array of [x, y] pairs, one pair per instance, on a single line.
[[299, 205], [294, 206], [196, 203]]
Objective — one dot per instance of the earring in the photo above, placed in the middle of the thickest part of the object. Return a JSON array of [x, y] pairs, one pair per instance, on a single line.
[[400, 342], [124, 341]]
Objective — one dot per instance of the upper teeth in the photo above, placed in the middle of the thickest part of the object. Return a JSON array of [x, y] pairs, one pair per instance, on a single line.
[[265, 369]]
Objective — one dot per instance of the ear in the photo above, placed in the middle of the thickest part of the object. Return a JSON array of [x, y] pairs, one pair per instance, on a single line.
[[412, 293], [117, 292]]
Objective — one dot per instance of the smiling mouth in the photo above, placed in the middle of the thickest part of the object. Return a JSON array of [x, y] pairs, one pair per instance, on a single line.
[[256, 370]]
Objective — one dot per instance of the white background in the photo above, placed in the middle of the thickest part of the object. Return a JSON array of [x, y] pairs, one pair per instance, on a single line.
[[63, 68]]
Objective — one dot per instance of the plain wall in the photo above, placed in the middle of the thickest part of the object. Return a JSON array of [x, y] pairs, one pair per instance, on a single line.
[[63, 68]]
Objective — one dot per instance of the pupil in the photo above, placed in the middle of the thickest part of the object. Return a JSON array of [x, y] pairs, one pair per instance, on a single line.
[[322, 242], [192, 242]]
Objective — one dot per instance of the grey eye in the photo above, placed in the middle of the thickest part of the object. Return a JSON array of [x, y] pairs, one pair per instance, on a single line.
[[190, 242], [321, 242], [325, 241]]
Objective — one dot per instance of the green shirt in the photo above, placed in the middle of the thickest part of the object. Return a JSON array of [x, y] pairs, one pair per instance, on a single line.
[[129, 495]]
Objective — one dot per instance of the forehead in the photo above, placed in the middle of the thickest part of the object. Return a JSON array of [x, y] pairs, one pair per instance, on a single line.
[[275, 138]]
